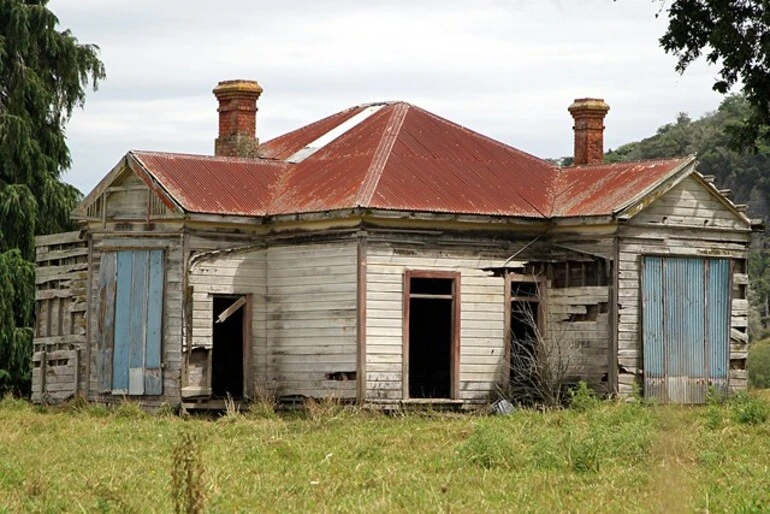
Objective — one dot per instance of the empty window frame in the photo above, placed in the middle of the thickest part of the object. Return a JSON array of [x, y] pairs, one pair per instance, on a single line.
[[431, 334]]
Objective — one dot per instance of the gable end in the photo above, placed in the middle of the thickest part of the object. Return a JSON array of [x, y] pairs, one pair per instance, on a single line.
[[128, 192]]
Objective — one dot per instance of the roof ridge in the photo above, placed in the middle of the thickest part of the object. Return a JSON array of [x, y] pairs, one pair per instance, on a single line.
[[382, 154], [488, 138], [260, 160], [622, 163]]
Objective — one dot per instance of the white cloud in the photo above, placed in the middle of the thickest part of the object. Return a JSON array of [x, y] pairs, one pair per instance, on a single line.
[[507, 69]]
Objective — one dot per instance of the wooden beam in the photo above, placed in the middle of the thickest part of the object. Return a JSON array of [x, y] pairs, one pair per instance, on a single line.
[[237, 304]]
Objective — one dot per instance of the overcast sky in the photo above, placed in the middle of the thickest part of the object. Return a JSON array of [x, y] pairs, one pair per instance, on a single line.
[[508, 69]]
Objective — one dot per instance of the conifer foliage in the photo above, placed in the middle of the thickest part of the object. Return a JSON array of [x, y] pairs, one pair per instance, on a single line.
[[44, 73]]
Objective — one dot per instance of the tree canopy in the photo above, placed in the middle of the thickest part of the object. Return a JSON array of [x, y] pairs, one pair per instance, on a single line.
[[734, 35], [44, 74]]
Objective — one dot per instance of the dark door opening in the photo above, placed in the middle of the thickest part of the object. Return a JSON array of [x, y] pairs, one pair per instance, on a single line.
[[523, 337], [227, 354], [525, 351], [431, 337]]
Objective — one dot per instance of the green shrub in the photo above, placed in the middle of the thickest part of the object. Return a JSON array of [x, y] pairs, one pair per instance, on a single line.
[[583, 398], [130, 410], [758, 364], [748, 410]]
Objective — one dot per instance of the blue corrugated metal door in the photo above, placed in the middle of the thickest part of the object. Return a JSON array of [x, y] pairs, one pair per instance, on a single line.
[[138, 315], [685, 327]]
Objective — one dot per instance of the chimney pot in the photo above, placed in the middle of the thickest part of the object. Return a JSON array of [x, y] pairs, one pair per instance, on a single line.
[[589, 116], [237, 118]]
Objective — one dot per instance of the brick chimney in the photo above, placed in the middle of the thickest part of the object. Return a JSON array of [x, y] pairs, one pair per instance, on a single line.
[[237, 118], [589, 116]]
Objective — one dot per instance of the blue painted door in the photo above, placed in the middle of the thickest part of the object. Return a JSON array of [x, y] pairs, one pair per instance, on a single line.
[[138, 323], [685, 327]]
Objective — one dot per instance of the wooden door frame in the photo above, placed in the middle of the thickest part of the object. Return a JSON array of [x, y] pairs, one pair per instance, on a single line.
[[246, 344], [454, 364]]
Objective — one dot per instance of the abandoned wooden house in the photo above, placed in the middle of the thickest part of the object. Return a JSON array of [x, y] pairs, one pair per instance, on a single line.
[[386, 255]]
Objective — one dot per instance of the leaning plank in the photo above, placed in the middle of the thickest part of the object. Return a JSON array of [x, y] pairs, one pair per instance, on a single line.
[[58, 239], [237, 304]]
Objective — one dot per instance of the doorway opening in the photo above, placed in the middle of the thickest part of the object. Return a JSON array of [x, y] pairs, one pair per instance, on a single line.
[[524, 349], [227, 357], [432, 337]]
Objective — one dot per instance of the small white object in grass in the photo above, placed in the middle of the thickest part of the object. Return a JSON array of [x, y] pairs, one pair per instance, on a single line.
[[501, 407], [326, 459], [315, 482]]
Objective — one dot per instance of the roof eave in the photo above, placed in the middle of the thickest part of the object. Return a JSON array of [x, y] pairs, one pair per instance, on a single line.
[[647, 196]]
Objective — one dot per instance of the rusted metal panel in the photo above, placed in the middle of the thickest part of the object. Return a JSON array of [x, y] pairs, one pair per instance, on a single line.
[[604, 189], [282, 147], [686, 313], [215, 185]]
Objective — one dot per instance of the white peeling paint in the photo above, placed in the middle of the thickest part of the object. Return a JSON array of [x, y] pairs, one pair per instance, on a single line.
[[333, 134]]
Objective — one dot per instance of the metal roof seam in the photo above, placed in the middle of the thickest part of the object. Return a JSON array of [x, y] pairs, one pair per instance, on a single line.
[[381, 155]]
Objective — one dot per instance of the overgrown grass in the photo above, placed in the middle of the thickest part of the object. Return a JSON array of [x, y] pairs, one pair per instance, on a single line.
[[602, 457]]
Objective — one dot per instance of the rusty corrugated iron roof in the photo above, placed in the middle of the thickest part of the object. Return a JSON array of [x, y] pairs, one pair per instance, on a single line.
[[282, 147], [215, 185], [402, 158], [604, 189]]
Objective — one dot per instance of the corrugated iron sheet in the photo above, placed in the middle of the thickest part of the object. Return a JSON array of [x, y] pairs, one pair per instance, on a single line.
[[215, 185], [438, 166], [604, 189], [652, 327], [718, 321], [686, 313]]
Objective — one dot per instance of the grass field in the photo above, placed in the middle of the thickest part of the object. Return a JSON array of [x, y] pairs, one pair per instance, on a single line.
[[603, 457]]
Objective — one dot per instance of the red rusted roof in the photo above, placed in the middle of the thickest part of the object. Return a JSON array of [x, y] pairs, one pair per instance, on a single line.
[[290, 143], [604, 189], [215, 185], [403, 158]]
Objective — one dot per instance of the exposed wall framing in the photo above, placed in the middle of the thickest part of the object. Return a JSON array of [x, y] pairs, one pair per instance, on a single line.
[[61, 281]]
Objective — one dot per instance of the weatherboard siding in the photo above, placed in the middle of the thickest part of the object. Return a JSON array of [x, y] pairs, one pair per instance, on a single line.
[[689, 205], [482, 303], [237, 273], [687, 221], [311, 319]]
